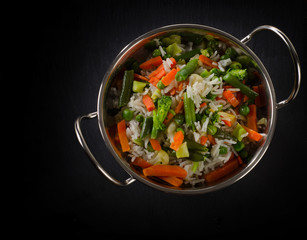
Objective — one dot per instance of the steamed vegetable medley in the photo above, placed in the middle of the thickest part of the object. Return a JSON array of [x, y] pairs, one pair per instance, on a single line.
[[188, 113]]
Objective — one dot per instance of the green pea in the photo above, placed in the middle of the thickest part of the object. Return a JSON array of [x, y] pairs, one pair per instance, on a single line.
[[211, 129], [127, 114], [179, 119], [167, 56], [244, 110], [139, 118]]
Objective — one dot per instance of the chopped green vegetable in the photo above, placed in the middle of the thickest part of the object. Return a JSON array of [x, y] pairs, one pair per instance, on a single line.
[[186, 70], [196, 156], [238, 132], [147, 126], [195, 146], [183, 151], [207, 52], [235, 65], [241, 74], [205, 73], [138, 141], [235, 82], [231, 52], [179, 119], [138, 86], [171, 39], [160, 85], [156, 53], [211, 129], [223, 150], [161, 158], [156, 94], [238, 146], [189, 111], [187, 55], [127, 88], [195, 166], [164, 104], [173, 49]]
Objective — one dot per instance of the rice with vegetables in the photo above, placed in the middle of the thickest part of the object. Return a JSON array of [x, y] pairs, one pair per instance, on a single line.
[[190, 113]]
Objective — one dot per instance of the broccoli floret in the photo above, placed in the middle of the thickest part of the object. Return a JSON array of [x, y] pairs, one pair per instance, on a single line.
[[239, 73], [164, 104]]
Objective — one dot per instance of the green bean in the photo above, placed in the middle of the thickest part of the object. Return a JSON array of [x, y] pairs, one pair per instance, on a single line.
[[195, 146], [187, 70], [235, 82], [231, 52], [189, 111], [127, 88], [147, 126], [196, 156], [187, 55]]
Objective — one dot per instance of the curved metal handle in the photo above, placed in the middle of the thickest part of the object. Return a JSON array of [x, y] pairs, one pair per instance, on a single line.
[[91, 156], [294, 57]]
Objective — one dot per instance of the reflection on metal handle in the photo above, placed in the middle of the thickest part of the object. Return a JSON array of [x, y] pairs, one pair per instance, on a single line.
[[294, 56], [91, 156]]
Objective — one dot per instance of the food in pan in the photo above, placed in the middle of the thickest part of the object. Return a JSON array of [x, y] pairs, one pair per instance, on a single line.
[[191, 112]]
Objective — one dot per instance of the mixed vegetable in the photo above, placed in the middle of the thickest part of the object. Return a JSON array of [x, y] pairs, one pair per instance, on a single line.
[[188, 114]]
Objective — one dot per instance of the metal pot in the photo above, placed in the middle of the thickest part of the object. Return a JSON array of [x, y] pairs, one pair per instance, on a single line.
[[135, 48]]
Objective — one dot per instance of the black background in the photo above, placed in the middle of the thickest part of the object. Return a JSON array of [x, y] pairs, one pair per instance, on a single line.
[[73, 45]]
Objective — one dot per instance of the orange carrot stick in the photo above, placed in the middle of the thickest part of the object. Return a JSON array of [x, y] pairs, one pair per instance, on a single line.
[[169, 77], [141, 163], [140, 77], [203, 140], [155, 144], [172, 180], [157, 71], [252, 117], [154, 81], [148, 103], [151, 63], [231, 98], [229, 166], [165, 170], [179, 107], [207, 61], [252, 135], [121, 129], [178, 139], [211, 139]]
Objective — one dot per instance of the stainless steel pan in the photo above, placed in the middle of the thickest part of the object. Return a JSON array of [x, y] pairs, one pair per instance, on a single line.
[[135, 48]]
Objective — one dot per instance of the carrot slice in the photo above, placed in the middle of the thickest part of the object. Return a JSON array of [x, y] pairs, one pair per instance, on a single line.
[[154, 81], [151, 63], [141, 163], [159, 72], [203, 140], [207, 61], [148, 103], [172, 180], [165, 170], [121, 129], [169, 77], [211, 139], [140, 77], [229, 166], [178, 139], [155, 144], [230, 97], [252, 135], [252, 117]]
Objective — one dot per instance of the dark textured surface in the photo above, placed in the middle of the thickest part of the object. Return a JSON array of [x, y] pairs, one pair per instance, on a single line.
[[74, 45]]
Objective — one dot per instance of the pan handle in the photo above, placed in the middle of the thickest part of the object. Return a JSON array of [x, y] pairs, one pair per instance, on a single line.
[[91, 156], [294, 57]]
